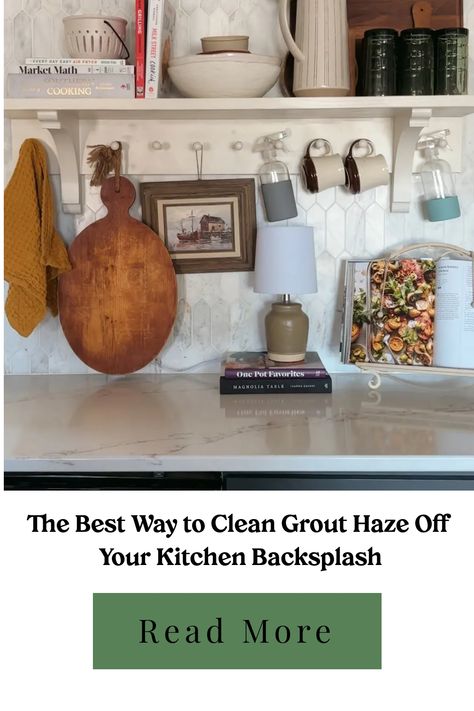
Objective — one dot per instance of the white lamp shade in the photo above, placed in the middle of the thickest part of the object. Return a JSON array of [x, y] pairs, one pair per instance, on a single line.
[[285, 261]]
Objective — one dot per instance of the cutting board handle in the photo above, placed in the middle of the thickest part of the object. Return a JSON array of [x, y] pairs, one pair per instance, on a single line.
[[422, 14], [122, 200]]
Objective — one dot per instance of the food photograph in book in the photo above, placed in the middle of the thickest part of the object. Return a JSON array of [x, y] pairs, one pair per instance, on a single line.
[[393, 312]]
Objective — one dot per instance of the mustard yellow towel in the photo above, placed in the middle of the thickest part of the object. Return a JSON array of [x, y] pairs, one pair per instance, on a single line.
[[35, 254]]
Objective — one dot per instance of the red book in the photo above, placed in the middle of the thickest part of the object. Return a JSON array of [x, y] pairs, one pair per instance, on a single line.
[[140, 45]]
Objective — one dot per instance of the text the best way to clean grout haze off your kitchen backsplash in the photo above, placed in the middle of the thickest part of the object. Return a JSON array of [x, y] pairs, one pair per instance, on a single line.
[[220, 312]]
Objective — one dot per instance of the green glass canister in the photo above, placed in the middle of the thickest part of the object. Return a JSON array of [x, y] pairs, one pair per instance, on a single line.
[[379, 63], [416, 60], [452, 59]]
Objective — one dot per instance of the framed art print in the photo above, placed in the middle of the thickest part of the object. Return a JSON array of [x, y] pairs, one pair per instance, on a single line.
[[206, 225]]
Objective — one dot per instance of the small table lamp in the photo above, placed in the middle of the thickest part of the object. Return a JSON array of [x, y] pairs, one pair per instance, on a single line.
[[286, 264]]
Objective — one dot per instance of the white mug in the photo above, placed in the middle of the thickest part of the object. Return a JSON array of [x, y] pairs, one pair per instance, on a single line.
[[366, 172], [322, 172]]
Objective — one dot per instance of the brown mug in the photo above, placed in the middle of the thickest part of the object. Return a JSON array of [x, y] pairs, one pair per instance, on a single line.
[[322, 172], [366, 172]]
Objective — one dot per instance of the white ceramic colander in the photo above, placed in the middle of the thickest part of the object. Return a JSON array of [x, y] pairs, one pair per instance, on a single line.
[[96, 37]]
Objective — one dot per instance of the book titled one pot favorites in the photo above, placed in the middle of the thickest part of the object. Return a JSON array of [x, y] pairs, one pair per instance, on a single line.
[[245, 365], [255, 372], [409, 312]]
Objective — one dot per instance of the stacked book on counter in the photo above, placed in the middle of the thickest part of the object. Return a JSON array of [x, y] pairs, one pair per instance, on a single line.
[[250, 372], [66, 77]]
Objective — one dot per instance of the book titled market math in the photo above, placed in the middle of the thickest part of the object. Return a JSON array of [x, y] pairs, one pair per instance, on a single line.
[[73, 69]]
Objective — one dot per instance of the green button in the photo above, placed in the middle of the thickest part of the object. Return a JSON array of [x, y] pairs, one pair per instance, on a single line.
[[237, 631]]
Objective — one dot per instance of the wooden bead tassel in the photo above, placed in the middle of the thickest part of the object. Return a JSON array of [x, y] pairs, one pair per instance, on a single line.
[[105, 160]]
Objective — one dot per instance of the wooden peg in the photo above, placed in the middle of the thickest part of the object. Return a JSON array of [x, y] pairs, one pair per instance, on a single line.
[[422, 14]]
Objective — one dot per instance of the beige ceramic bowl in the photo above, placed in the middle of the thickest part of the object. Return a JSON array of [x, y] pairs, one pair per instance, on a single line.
[[231, 75], [226, 43]]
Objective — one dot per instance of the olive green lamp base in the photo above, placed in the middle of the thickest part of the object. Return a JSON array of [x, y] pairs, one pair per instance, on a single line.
[[287, 328]]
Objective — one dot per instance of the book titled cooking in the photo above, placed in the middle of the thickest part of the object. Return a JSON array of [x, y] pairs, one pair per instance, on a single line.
[[409, 312], [107, 86]]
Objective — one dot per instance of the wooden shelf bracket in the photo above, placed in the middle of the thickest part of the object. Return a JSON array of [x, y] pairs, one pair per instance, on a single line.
[[64, 131], [407, 131]]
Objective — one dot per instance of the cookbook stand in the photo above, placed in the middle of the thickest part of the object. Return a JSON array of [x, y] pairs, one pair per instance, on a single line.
[[378, 369]]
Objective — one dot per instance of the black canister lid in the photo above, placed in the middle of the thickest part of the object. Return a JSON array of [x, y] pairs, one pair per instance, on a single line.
[[450, 31], [416, 31], [381, 31]]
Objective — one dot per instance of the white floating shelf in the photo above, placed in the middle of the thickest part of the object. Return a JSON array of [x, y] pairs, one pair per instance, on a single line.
[[394, 123], [278, 108]]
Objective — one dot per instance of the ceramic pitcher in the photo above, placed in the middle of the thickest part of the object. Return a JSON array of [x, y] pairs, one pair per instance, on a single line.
[[320, 47]]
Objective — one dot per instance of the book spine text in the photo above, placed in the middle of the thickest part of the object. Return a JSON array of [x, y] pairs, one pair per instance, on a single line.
[[248, 374], [95, 85], [229, 386], [154, 30], [75, 61], [73, 70], [140, 41]]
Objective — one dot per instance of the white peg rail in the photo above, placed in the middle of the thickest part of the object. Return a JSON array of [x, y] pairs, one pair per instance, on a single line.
[[158, 135]]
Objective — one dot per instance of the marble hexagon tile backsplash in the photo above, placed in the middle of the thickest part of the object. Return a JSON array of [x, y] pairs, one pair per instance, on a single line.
[[220, 312]]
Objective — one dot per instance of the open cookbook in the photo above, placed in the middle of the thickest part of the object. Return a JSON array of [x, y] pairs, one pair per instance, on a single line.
[[414, 312]]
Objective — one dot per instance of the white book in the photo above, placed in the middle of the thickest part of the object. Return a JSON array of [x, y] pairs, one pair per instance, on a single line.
[[153, 40], [106, 86], [72, 69], [76, 61], [454, 339], [160, 27]]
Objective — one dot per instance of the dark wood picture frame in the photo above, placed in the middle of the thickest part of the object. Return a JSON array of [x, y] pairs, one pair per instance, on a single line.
[[159, 197]]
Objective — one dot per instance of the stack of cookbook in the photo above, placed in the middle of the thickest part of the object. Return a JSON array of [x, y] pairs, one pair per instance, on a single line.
[[251, 372], [72, 78]]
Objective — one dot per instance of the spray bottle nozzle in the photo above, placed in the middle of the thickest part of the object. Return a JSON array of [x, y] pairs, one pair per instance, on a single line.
[[273, 142], [434, 141]]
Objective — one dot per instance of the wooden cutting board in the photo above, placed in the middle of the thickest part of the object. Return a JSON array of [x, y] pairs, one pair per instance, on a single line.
[[118, 304], [398, 14]]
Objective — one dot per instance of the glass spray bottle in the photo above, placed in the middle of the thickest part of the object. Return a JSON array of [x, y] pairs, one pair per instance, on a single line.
[[277, 188], [440, 201]]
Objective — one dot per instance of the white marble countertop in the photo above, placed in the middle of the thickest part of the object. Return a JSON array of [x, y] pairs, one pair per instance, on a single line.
[[181, 423]]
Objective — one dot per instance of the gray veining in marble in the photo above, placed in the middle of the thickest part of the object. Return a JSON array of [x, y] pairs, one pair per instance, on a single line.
[[180, 423]]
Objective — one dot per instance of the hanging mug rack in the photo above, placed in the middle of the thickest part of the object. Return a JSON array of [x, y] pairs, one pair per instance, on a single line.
[[162, 147]]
